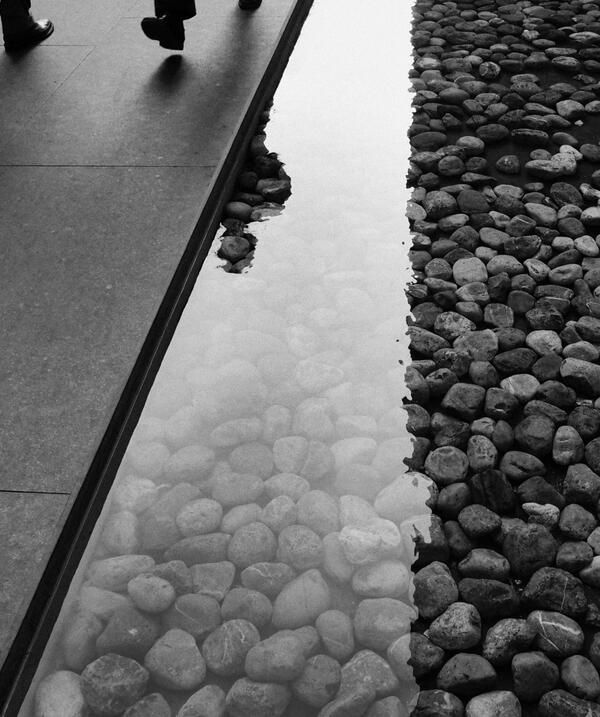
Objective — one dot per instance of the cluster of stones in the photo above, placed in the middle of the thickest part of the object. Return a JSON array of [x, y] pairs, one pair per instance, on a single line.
[[505, 341], [261, 189]]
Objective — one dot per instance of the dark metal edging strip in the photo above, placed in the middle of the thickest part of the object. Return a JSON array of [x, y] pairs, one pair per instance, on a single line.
[[22, 659]]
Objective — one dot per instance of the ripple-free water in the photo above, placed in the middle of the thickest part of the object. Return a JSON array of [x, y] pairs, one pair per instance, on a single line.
[[295, 366]]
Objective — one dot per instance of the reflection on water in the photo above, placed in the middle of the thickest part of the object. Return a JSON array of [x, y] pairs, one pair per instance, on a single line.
[[264, 491]]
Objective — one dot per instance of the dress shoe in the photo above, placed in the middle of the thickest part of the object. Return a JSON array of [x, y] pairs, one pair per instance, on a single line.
[[167, 30], [249, 4], [35, 33]]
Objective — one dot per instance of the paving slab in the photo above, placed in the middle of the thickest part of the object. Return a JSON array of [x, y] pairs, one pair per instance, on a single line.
[[110, 147], [27, 528], [82, 275]]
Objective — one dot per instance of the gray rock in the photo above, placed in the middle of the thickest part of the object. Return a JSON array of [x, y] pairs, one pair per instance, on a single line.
[[555, 589], [507, 638], [368, 669], [414, 656], [59, 695], [279, 658], [301, 601], [319, 682], [245, 604], [557, 634], [559, 703], [580, 677], [175, 663], [225, 649], [267, 578], [336, 631], [534, 674], [380, 621], [434, 590], [257, 699], [152, 705], [583, 376], [112, 683], [466, 674], [438, 703], [500, 703], [208, 701], [198, 615], [484, 563], [129, 633], [458, 628], [528, 547], [351, 704], [213, 579]]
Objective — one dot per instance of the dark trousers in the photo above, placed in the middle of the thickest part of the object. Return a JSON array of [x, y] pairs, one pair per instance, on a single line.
[[15, 16], [181, 9]]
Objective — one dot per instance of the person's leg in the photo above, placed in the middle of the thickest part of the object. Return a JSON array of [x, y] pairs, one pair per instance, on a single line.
[[19, 29], [249, 4], [167, 26]]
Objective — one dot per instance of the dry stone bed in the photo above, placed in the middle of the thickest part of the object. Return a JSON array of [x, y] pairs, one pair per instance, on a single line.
[[505, 340], [261, 189]]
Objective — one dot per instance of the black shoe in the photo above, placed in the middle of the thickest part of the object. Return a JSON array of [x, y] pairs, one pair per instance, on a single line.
[[249, 4], [167, 30], [39, 31]]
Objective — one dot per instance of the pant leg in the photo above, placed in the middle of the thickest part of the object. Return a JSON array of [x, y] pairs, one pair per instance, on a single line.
[[181, 9], [15, 16]]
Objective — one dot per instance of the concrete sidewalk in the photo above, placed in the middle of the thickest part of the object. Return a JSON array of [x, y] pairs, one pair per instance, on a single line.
[[109, 148]]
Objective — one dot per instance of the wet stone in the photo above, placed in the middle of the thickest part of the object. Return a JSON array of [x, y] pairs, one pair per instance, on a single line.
[[478, 521], [559, 703], [336, 633], [153, 705], [59, 695], [245, 604], [506, 639], [112, 683], [267, 578], [573, 556], [350, 704], [198, 615], [576, 523], [492, 598], [466, 674], [366, 668], [257, 699], [438, 703], [493, 704], [175, 663], [535, 434], [415, 656], [434, 590], [484, 563], [555, 589], [458, 628], [447, 465], [279, 658], [557, 634], [213, 579], [225, 649], [209, 701], [301, 601], [580, 677], [319, 681], [129, 633], [534, 674], [380, 621]]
